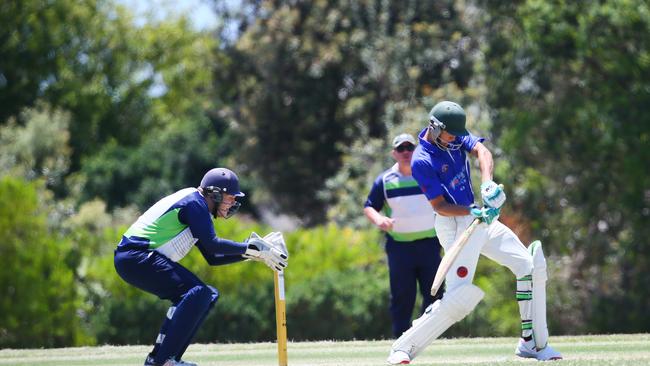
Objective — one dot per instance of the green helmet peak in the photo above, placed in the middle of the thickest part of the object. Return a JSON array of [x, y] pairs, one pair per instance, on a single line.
[[449, 116]]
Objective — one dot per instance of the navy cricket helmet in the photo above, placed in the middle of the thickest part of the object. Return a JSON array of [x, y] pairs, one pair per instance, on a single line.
[[224, 179], [219, 181]]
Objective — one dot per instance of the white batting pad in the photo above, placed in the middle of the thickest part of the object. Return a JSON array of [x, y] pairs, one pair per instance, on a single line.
[[439, 316], [540, 328]]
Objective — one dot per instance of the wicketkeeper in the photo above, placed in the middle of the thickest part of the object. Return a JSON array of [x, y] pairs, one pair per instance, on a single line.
[[148, 253], [441, 166]]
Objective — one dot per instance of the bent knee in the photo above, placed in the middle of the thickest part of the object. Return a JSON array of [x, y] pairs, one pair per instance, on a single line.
[[203, 293]]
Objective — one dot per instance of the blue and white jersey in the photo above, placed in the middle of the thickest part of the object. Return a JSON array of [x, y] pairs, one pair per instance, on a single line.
[[445, 172], [174, 224], [413, 215]]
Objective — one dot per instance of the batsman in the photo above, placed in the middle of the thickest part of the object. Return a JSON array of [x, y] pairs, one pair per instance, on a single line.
[[441, 166]]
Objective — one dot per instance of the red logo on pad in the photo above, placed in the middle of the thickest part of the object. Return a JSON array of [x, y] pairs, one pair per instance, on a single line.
[[461, 271]]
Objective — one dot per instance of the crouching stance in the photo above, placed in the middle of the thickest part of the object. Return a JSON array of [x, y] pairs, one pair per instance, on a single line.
[[440, 165], [148, 253]]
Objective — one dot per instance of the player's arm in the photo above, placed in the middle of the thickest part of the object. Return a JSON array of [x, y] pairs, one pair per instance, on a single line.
[[444, 208], [485, 161], [492, 194], [374, 204], [382, 222], [218, 259]]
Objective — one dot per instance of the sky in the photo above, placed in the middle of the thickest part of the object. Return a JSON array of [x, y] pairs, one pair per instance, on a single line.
[[198, 10]]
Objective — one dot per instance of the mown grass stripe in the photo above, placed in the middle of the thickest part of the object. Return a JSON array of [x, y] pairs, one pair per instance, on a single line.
[[578, 351]]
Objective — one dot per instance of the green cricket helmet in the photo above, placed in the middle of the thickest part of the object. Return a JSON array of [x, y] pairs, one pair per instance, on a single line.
[[449, 116]]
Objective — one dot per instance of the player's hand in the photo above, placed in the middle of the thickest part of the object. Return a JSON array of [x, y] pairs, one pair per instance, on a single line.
[[385, 223], [493, 194], [485, 214], [264, 251], [277, 241]]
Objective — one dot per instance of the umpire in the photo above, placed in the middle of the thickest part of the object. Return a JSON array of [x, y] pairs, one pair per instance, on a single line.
[[412, 247]]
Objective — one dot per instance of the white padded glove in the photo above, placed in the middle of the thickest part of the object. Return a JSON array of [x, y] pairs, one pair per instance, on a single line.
[[262, 250], [493, 194], [277, 240]]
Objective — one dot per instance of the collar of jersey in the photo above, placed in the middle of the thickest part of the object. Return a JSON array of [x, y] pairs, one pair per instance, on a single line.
[[395, 169], [426, 145]]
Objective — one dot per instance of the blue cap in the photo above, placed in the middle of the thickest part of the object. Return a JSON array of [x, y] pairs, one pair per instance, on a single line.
[[224, 179]]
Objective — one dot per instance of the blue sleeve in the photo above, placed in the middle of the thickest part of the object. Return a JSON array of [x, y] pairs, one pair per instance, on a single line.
[[196, 215], [218, 259], [424, 173], [376, 196], [469, 141]]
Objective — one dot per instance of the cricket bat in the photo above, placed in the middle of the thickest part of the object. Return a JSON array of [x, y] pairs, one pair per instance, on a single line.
[[280, 301]]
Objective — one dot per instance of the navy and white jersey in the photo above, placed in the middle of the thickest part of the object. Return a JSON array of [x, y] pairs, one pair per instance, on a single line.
[[174, 224], [445, 172], [414, 217]]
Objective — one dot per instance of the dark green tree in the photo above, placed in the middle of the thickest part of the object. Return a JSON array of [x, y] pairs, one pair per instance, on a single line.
[[168, 159], [118, 80], [310, 77], [570, 86], [61, 53]]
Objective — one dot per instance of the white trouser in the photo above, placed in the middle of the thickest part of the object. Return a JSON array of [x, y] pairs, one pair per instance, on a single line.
[[500, 244], [495, 241]]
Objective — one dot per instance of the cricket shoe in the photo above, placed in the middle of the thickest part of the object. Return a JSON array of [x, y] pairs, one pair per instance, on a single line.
[[528, 350], [149, 361], [171, 362], [398, 358]]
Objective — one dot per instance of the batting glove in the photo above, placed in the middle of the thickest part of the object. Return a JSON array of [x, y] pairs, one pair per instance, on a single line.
[[493, 194], [485, 214]]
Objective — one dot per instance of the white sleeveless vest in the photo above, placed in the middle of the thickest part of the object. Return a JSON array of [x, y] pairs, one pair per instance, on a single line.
[[408, 206]]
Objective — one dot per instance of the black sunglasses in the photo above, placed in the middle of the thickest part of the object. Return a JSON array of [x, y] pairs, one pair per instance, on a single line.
[[408, 147]]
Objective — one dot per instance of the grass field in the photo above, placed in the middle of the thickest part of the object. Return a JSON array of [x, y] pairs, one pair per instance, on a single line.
[[628, 349]]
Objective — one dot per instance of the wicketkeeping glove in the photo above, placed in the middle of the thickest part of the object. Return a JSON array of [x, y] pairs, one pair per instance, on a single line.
[[485, 214], [493, 194], [264, 251], [277, 240]]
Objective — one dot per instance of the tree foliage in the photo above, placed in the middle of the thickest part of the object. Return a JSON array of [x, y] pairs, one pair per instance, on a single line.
[[64, 53], [39, 147], [570, 86], [119, 82], [168, 159], [38, 296], [312, 77]]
